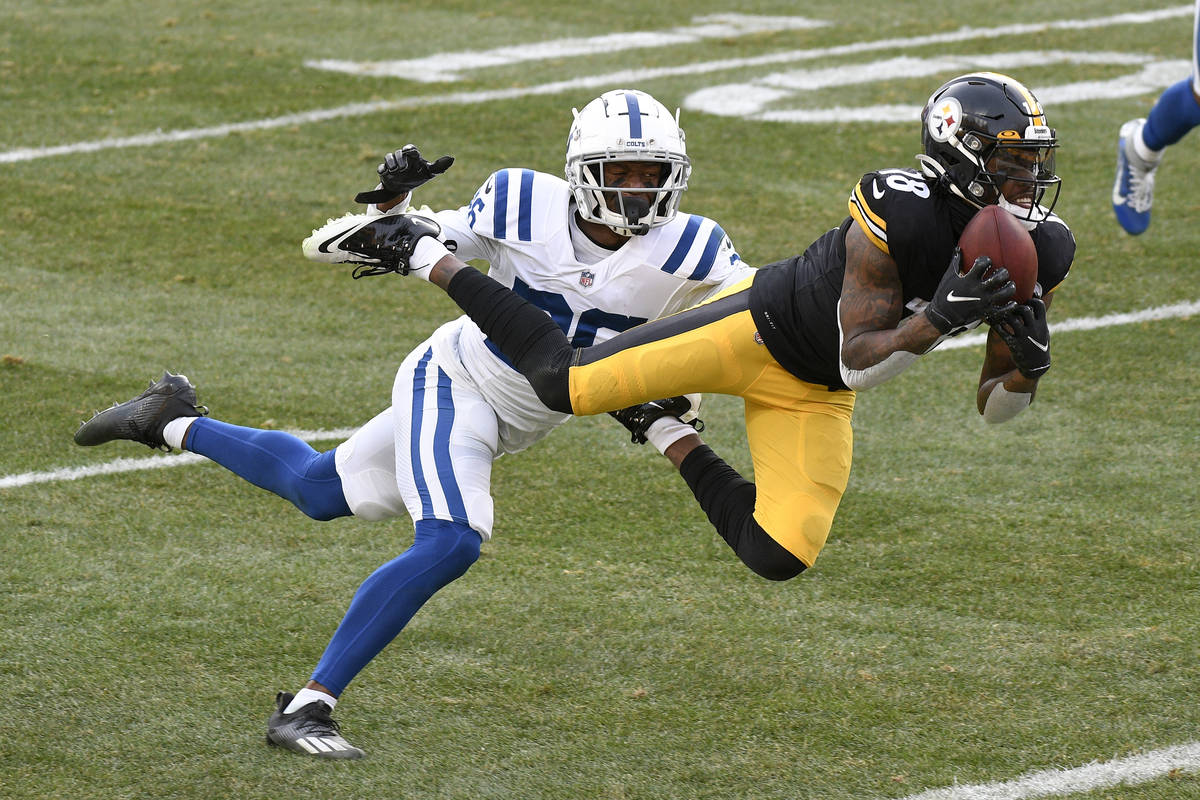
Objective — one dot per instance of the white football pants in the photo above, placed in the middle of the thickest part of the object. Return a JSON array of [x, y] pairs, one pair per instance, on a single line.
[[429, 455]]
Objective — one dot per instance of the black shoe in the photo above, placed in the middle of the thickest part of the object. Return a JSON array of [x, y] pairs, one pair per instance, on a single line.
[[143, 418], [308, 730], [638, 419]]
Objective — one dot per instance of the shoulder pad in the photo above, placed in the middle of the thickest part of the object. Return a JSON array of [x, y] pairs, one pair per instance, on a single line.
[[690, 246], [515, 204], [884, 195]]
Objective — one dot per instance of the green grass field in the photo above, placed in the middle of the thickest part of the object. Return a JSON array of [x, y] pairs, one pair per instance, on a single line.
[[992, 601]]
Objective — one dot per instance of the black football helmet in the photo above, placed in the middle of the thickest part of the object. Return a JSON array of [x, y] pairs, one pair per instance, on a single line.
[[984, 130]]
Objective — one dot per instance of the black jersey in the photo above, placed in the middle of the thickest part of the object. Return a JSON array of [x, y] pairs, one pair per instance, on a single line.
[[794, 301]]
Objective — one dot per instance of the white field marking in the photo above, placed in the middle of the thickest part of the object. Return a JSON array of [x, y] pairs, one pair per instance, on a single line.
[[450, 66], [1127, 771], [622, 78], [1174, 311], [137, 464], [752, 100]]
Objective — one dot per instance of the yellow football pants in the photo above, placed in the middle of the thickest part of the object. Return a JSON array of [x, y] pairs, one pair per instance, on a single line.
[[799, 433]]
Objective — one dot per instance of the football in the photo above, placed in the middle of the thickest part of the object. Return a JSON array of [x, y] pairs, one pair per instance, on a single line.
[[998, 234]]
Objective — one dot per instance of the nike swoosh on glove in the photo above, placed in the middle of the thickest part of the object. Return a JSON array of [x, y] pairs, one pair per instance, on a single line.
[[1025, 331], [964, 298]]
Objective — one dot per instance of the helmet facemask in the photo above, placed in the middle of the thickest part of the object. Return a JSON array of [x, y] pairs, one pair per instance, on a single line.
[[1015, 173], [626, 126], [629, 210], [1022, 178]]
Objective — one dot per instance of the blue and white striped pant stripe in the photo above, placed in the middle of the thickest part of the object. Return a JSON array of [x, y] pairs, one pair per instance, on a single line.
[[446, 439]]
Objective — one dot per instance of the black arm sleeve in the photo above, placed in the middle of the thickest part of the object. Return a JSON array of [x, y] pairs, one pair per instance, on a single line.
[[524, 333], [728, 500]]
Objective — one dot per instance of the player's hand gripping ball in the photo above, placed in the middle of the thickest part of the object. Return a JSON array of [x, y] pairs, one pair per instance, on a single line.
[[995, 233]]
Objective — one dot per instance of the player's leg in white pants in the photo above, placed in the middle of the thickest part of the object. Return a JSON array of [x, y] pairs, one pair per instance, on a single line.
[[445, 438]]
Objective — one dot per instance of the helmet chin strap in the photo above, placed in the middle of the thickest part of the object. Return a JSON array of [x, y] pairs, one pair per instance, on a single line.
[[1028, 217], [932, 169]]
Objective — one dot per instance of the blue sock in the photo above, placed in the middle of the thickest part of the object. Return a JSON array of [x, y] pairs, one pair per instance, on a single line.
[[441, 552], [1174, 114], [275, 461]]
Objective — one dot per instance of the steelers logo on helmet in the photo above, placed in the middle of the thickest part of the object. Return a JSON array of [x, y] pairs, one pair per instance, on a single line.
[[944, 119]]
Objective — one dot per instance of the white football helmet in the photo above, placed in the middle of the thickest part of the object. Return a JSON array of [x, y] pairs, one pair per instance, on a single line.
[[626, 125]]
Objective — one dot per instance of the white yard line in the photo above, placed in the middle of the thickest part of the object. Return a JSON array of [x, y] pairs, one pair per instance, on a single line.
[[136, 464], [1059, 782], [1174, 311], [450, 66], [622, 78]]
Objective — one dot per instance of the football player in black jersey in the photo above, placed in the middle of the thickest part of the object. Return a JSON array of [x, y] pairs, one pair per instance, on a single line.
[[797, 340]]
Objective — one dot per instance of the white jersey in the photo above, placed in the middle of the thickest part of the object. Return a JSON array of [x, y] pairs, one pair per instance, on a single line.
[[519, 221]]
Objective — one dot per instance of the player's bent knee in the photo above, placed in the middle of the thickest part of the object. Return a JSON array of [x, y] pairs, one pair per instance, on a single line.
[[323, 509], [766, 557], [317, 488], [320, 500], [454, 546], [776, 571], [463, 553]]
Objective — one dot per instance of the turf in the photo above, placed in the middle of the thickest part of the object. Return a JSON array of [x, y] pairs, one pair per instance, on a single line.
[[992, 601]]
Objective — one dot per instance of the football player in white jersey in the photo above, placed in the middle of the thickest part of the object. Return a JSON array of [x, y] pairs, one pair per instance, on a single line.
[[600, 252]]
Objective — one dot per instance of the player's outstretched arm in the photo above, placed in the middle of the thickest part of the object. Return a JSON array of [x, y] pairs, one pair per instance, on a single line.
[[534, 344]]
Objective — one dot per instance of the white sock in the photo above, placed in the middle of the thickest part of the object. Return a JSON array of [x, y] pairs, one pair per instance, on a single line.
[[306, 696], [175, 430], [1143, 152]]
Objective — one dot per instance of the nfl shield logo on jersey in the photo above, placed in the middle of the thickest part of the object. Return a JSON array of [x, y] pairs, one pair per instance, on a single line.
[[586, 278]]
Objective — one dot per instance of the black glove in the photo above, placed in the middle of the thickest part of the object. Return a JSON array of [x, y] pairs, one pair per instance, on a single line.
[[401, 172], [963, 299], [638, 419], [1027, 335]]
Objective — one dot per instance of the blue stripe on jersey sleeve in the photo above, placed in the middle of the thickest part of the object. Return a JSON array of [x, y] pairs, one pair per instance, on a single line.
[[525, 207], [635, 116], [675, 261], [500, 209], [709, 256]]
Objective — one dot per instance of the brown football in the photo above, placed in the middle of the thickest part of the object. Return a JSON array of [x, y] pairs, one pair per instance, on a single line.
[[998, 234]]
